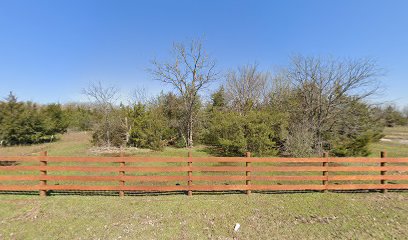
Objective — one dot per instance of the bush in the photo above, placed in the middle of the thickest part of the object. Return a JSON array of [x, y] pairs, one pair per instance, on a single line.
[[27, 123], [236, 134]]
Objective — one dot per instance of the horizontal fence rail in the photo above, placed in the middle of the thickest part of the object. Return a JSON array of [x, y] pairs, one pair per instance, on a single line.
[[130, 174]]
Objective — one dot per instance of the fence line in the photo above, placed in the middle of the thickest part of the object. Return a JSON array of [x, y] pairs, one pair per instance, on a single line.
[[322, 174]]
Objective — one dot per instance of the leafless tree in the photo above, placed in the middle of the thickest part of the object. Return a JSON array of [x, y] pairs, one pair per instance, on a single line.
[[325, 86], [281, 91], [246, 87], [103, 99], [139, 95], [189, 71], [300, 140]]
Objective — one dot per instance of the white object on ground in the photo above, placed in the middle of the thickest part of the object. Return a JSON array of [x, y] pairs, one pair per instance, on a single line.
[[237, 226]]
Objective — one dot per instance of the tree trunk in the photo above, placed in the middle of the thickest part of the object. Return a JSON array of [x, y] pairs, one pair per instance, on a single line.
[[190, 131], [128, 130], [108, 137]]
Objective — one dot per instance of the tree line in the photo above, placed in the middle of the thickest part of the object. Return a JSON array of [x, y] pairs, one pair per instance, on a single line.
[[314, 104]]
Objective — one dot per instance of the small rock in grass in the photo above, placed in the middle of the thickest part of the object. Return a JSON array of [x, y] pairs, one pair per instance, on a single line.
[[237, 226]]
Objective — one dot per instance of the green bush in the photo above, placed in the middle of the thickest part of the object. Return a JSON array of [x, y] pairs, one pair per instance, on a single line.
[[27, 123], [236, 134]]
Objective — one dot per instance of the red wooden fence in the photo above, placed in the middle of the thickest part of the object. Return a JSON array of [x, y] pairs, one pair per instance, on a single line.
[[48, 174]]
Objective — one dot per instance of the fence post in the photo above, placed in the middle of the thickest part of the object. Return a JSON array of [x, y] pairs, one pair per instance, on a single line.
[[190, 174], [122, 174], [383, 173], [43, 183], [325, 181], [248, 172]]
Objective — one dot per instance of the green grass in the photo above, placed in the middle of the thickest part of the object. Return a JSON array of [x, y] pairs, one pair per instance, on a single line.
[[78, 144], [261, 216], [393, 147], [70, 144]]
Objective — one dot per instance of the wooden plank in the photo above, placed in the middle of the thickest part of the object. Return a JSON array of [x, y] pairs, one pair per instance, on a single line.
[[95, 168], [218, 178], [122, 174], [288, 178], [190, 174], [258, 169], [173, 178], [248, 172], [205, 169], [383, 164], [201, 187], [93, 178], [19, 187], [20, 168], [367, 160], [258, 178], [197, 159], [368, 177], [43, 173], [367, 186], [116, 188], [219, 187], [21, 178], [199, 178], [366, 168], [155, 178], [287, 187], [21, 158]]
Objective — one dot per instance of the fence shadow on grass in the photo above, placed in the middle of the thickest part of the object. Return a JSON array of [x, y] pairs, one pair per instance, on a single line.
[[179, 193]]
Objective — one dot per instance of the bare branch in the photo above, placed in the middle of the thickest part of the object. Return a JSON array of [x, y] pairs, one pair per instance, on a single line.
[[191, 70]]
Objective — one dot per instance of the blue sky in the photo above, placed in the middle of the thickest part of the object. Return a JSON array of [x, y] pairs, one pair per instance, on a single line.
[[50, 50]]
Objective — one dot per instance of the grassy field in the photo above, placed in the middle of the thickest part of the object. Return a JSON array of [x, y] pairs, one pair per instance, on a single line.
[[70, 144], [78, 144], [261, 216], [396, 143], [203, 216]]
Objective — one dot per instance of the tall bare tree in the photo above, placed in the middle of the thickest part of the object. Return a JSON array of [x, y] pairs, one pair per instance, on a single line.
[[189, 71], [103, 99], [326, 86], [246, 87]]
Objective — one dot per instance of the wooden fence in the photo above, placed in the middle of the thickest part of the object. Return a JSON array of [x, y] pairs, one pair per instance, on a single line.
[[48, 173]]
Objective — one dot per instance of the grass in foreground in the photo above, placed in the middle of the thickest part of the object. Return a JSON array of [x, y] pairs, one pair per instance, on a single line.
[[261, 216]]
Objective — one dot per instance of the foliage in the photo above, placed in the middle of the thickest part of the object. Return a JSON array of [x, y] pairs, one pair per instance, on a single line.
[[236, 134], [54, 118], [352, 133], [314, 105], [28, 123], [393, 117], [189, 72], [109, 130], [148, 128], [80, 117]]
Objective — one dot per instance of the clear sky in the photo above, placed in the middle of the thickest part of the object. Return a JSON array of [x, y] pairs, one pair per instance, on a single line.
[[50, 50]]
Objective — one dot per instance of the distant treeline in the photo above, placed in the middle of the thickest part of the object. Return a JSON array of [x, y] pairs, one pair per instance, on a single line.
[[313, 105]]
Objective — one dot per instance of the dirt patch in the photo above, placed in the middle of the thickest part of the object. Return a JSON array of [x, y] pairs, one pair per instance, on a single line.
[[314, 219], [112, 150], [400, 141], [29, 215]]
